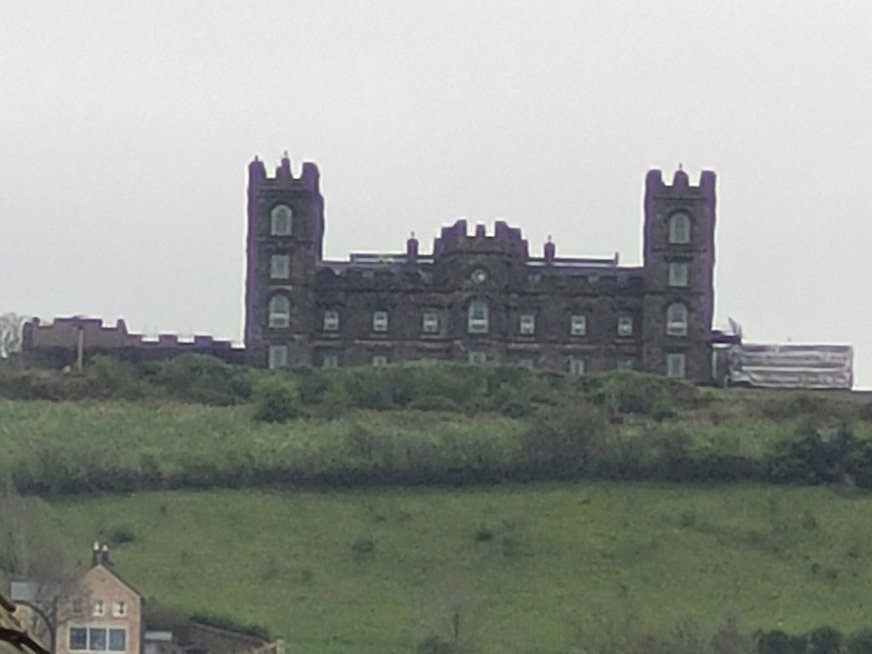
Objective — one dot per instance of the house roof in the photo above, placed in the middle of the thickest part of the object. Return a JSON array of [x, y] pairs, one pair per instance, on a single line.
[[119, 578]]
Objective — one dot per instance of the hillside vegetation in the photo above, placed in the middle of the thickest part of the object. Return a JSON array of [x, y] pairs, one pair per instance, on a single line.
[[196, 423]]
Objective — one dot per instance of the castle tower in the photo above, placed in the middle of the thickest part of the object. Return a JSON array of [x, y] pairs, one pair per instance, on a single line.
[[679, 258], [284, 245]]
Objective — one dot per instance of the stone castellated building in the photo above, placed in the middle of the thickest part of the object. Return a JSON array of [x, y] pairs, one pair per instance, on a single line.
[[482, 297]]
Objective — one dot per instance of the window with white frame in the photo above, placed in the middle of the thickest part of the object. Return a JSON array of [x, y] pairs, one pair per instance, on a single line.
[[477, 317], [279, 311], [527, 324], [626, 363], [379, 360], [477, 358], [676, 365], [430, 322], [678, 273], [379, 321], [280, 266], [676, 319], [625, 325], [576, 366], [119, 609], [578, 324], [97, 639], [331, 320], [330, 360], [278, 356], [281, 220], [98, 608], [679, 228]]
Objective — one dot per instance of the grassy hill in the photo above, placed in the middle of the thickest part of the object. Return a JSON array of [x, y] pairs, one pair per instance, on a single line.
[[529, 568]]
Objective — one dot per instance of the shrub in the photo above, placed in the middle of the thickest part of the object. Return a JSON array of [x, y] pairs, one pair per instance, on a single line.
[[276, 399], [200, 378], [859, 642], [567, 439], [231, 623], [626, 391], [825, 640], [120, 534], [363, 545]]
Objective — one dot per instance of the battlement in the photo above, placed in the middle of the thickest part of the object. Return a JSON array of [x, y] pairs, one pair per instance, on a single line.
[[681, 186], [258, 179], [66, 334], [505, 240]]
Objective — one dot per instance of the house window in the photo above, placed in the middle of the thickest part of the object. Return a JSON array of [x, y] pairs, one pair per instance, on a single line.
[[330, 360], [279, 311], [379, 360], [477, 317], [675, 365], [679, 228], [626, 363], [379, 321], [576, 366], [77, 606], [96, 639], [477, 358], [99, 608], [78, 638], [625, 326], [280, 266], [119, 609], [331, 320], [527, 324], [117, 640], [678, 273], [526, 363], [578, 325], [430, 322], [278, 356], [676, 319], [281, 220]]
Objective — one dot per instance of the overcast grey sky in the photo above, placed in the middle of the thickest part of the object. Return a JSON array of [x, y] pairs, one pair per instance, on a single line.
[[126, 128]]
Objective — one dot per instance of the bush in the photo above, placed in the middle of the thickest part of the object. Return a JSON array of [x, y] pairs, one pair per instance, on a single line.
[[825, 640], [231, 623], [859, 642], [276, 399], [626, 391], [200, 378]]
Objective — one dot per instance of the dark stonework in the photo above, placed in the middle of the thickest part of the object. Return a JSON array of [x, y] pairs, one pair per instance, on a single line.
[[464, 269]]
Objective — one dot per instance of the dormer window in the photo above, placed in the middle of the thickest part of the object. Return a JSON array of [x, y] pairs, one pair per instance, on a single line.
[[679, 228], [281, 220]]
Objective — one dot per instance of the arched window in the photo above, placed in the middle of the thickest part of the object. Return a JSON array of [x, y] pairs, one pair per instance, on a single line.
[[477, 317], [279, 311], [679, 228], [281, 221], [676, 319]]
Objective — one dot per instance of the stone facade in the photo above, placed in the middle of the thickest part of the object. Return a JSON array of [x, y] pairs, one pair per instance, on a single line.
[[479, 297]]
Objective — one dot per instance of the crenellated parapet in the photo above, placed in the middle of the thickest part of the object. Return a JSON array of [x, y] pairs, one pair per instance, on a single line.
[[681, 186], [283, 179], [505, 240]]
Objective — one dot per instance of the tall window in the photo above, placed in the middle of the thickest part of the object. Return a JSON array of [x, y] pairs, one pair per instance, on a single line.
[[279, 311], [577, 324], [679, 228], [278, 356], [430, 322], [281, 220], [331, 320], [477, 317], [379, 321], [625, 325], [527, 324], [676, 365], [280, 266], [678, 273], [330, 360], [99, 608], [576, 366], [676, 319]]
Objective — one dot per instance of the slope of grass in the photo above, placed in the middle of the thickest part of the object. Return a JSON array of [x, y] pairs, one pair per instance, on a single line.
[[527, 568]]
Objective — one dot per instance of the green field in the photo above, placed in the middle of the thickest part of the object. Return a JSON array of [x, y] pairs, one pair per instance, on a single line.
[[528, 568]]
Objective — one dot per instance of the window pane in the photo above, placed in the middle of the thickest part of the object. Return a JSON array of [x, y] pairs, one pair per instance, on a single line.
[[379, 360], [477, 358], [675, 364], [119, 609], [578, 325], [278, 356], [625, 326], [678, 273], [78, 638], [430, 322], [279, 311], [576, 366], [118, 640], [477, 321], [281, 219], [679, 228], [676, 320], [330, 360], [331, 321], [527, 323], [380, 321], [280, 266], [96, 639]]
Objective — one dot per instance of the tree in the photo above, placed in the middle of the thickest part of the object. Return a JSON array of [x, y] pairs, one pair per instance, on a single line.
[[11, 325]]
